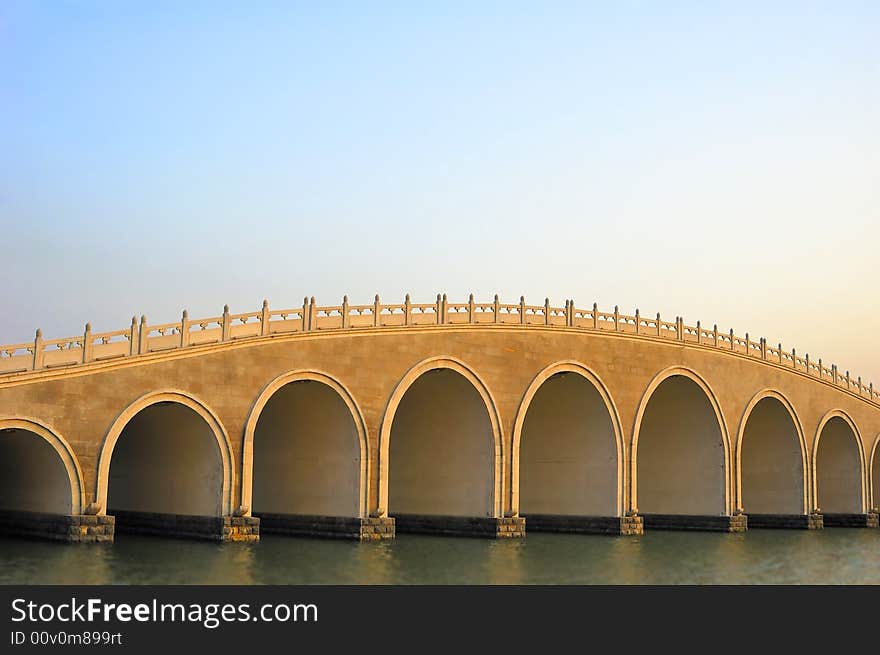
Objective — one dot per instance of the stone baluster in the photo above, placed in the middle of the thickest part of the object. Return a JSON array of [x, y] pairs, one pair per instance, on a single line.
[[471, 315], [699, 333], [522, 310], [87, 344], [595, 316], [616, 318], [226, 324], [496, 310], [264, 318], [184, 329], [37, 362], [407, 310], [144, 333], [345, 317], [658, 324], [377, 311], [133, 337]]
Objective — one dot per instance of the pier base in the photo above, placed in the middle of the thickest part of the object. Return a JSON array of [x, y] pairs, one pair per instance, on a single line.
[[851, 520], [185, 526], [613, 525], [330, 527], [736, 523], [462, 526], [77, 528], [786, 521]]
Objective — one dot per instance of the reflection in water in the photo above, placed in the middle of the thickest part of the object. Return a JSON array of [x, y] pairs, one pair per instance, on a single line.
[[834, 556]]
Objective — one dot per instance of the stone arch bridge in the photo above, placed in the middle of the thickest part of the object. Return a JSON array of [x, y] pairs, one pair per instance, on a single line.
[[452, 418]]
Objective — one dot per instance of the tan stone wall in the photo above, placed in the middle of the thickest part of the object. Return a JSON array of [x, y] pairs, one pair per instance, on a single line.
[[80, 404]]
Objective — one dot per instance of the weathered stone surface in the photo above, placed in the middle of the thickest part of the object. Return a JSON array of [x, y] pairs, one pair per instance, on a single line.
[[736, 523], [612, 525], [330, 527], [77, 528], [462, 526], [786, 521], [850, 520]]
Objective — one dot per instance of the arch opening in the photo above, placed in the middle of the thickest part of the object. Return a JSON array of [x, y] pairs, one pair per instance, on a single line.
[[33, 477], [442, 449], [166, 460], [680, 452], [568, 451], [306, 453], [772, 461], [838, 469]]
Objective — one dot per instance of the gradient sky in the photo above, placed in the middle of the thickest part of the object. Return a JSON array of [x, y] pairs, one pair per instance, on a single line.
[[715, 160]]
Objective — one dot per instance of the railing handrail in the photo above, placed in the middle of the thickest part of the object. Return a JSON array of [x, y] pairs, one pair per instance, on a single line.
[[140, 337]]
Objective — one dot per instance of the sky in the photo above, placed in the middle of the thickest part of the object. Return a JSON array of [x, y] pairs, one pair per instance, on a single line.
[[714, 160]]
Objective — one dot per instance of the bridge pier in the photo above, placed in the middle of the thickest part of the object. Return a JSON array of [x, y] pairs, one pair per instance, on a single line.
[[77, 528], [708, 523], [331, 527], [185, 526], [868, 520], [612, 525], [787, 521], [462, 526]]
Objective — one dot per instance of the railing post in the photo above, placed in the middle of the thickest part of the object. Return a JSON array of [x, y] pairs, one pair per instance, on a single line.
[[794, 358], [834, 373], [377, 311], [715, 334], [522, 310], [87, 344], [595, 316], [658, 324], [184, 329], [546, 311], [496, 309], [445, 310], [699, 333], [679, 328], [38, 350], [438, 310], [616, 318], [406, 310], [226, 324], [142, 339], [860, 385], [471, 308], [871, 391], [264, 318], [779, 348], [312, 317], [732, 340], [821, 372], [764, 348], [748, 345], [133, 337], [345, 317], [847, 379], [638, 321], [807, 362]]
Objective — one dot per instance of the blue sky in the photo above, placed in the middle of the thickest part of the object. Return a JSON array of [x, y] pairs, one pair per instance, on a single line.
[[715, 160]]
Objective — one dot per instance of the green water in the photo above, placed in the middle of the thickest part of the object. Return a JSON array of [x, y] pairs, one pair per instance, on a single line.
[[831, 556]]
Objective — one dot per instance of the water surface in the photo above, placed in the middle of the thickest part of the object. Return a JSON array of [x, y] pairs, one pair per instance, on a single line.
[[831, 556]]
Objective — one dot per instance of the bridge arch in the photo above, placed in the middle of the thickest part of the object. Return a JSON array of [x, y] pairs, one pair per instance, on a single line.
[[487, 402], [875, 474], [173, 397], [590, 378], [713, 424], [836, 489], [269, 391], [778, 425], [74, 498]]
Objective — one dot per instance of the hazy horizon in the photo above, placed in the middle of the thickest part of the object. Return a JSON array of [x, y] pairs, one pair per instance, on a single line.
[[716, 162]]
